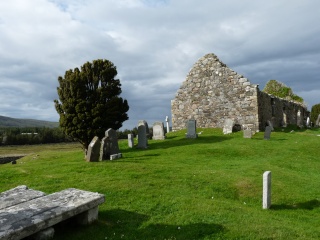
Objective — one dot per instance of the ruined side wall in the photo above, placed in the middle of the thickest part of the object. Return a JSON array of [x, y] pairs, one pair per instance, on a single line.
[[211, 93], [279, 111]]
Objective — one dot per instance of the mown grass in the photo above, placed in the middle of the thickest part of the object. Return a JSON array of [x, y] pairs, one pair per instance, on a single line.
[[179, 188]]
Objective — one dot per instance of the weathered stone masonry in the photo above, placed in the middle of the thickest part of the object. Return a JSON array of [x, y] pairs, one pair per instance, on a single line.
[[212, 93]]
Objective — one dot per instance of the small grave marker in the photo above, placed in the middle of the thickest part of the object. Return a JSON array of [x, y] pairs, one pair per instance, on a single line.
[[192, 129], [130, 140], [228, 125], [266, 198], [267, 133]]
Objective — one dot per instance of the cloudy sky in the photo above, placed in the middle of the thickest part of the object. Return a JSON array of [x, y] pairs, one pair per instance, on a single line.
[[153, 43]]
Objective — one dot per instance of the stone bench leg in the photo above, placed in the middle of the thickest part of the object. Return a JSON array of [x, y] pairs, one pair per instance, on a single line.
[[88, 217], [45, 234]]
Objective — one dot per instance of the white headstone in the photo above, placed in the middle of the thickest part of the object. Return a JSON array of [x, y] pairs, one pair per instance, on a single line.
[[228, 125], [266, 198], [130, 140], [167, 121]]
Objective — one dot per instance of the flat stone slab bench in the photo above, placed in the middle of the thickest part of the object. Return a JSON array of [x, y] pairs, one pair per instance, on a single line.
[[25, 212]]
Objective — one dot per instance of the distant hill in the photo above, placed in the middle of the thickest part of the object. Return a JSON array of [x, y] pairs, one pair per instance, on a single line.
[[16, 122]]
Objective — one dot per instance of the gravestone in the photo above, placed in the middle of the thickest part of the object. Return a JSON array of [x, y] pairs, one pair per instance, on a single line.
[[192, 129], [93, 152], [144, 123], [158, 131], [308, 122], [167, 121], [284, 120], [142, 137], [109, 145], [247, 133], [299, 119], [228, 125], [318, 121], [130, 140], [269, 123], [267, 133], [266, 198]]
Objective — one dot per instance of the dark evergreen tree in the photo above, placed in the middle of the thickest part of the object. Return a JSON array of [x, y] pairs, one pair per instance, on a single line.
[[89, 101]]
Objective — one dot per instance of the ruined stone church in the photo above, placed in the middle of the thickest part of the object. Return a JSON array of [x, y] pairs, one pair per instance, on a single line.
[[212, 93]]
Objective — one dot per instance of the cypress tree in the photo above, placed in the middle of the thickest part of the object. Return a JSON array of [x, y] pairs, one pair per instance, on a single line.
[[89, 101]]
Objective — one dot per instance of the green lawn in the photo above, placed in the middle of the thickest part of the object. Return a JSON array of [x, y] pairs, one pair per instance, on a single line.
[[179, 188]]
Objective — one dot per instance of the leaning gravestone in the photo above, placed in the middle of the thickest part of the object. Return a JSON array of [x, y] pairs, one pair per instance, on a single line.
[[130, 140], [228, 125], [142, 137], [93, 152], [158, 131], [270, 125], [192, 129], [267, 133], [308, 122]]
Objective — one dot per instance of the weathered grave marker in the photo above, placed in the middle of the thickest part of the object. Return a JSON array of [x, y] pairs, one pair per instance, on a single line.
[[142, 137], [158, 131], [247, 133], [191, 129], [267, 133], [228, 125], [93, 152], [109, 145], [266, 198], [270, 125], [144, 123], [130, 140]]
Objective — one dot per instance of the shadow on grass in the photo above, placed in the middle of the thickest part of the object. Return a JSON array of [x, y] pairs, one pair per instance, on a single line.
[[309, 205], [121, 224], [129, 225]]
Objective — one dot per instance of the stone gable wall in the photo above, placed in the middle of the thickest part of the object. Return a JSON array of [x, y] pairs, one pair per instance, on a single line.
[[212, 93]]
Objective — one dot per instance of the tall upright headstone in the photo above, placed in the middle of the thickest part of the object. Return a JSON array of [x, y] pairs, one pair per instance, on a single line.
[[308, 122], [142, 137], [130, 140], [167, 121], [228, 125], [266, 198], [93, 152], [144, 123], [158, 131], [192, 129], [284, 120]]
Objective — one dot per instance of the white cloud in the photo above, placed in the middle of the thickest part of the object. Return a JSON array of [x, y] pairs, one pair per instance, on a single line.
[[153, 44]]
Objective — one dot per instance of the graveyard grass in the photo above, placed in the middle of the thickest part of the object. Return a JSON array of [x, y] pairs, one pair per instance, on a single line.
[[179, 188]]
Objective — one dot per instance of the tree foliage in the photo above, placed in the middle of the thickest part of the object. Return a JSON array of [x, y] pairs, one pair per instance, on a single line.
[[89, 101], [279, 89], [315, 111]]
